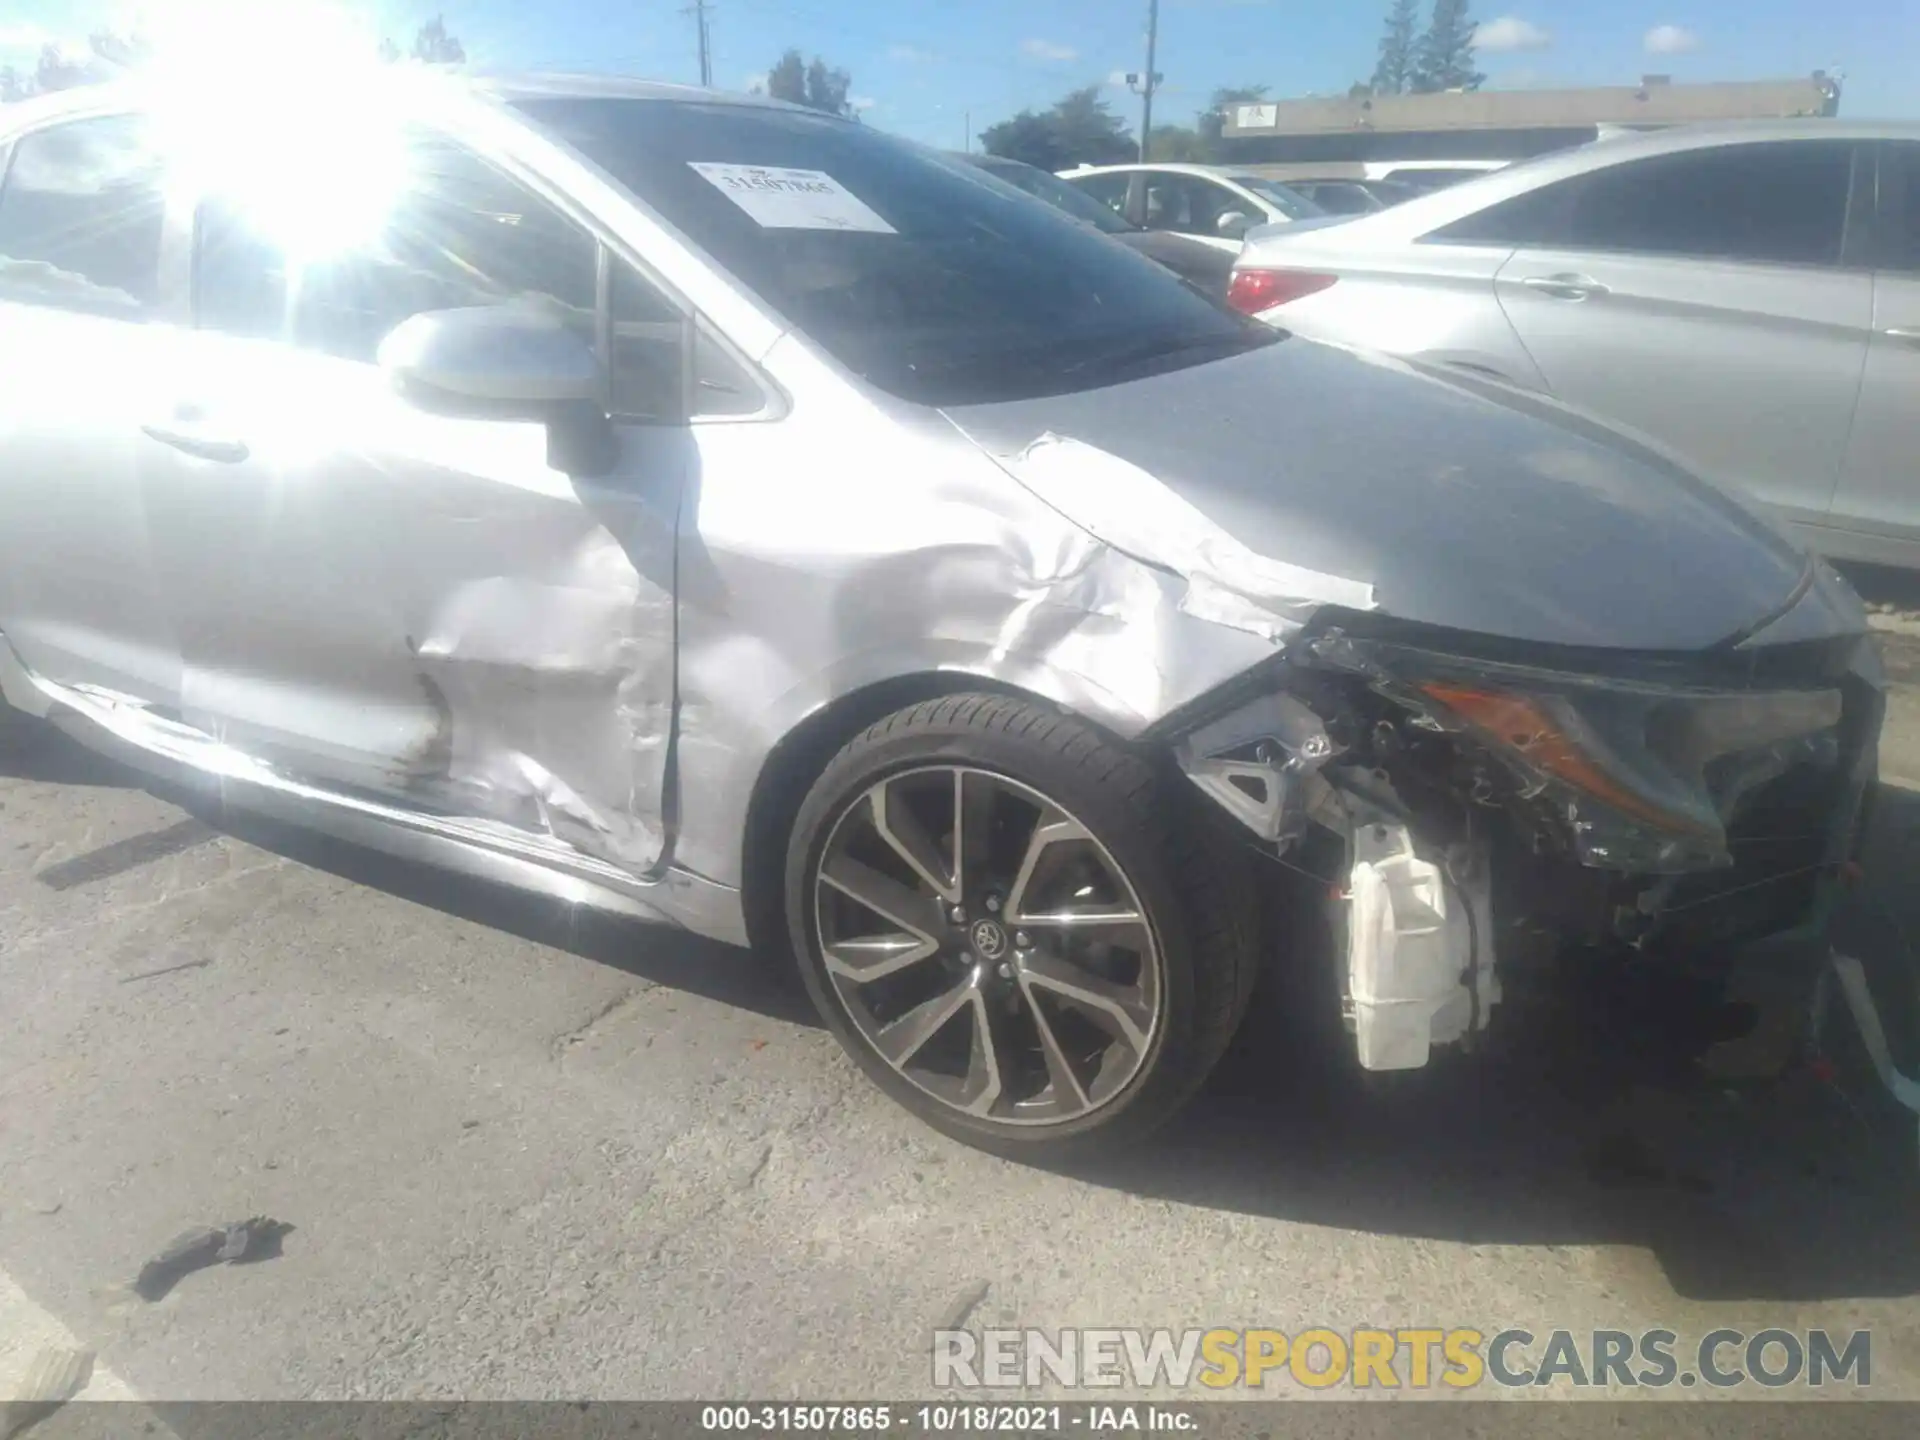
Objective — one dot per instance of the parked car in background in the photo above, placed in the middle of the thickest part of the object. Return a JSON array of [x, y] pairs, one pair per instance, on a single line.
[[1748, 296], [1352, 197], [1424, 176], [1206, 267], [1207, 204], [726, 513]]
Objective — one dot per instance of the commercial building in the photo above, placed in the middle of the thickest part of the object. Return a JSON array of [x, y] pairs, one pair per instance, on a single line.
[[1338, 132]]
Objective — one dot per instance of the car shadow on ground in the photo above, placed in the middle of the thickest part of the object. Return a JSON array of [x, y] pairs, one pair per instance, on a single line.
[[657, 953], [37, 751], [1593, 1130], [1598, 1128]]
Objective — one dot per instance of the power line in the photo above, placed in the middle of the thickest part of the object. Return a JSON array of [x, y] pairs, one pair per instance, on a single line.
[[699, 12], [1146, 89], [1145, 84]]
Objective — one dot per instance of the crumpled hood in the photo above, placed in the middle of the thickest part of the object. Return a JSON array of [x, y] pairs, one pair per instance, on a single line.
[[1462, 505]]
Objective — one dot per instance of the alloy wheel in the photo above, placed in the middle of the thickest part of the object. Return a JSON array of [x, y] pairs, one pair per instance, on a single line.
[[987, 946]]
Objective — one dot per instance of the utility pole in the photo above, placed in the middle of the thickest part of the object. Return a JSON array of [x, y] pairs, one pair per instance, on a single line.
[[1145, 84], [699, 13], [966, 122]]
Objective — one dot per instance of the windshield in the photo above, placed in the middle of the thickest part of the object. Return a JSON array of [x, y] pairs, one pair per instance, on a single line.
[[1290, 203], [909, 268], [1059, 194]]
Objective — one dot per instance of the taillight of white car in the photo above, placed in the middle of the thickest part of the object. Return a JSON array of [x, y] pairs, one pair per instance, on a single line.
[[1254, 290]]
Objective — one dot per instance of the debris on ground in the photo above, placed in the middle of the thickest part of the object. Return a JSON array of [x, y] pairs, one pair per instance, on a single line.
[[166, 970], [964, 1304], [242, 1243], [55, 1377]]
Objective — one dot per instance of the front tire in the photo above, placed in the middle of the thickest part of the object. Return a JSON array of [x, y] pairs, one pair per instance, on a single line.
[[1021, 930]]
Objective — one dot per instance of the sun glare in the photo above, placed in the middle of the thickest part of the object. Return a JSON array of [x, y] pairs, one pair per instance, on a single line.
[[286, 111]]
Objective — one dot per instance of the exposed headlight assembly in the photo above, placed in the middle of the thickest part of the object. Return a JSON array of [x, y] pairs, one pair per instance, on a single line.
[[1647, 776]]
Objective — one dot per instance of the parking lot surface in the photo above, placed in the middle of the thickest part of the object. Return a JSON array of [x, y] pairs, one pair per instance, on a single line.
[[532, 1153]]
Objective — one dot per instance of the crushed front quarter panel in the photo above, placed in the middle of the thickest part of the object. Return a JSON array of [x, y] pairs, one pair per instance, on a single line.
[[812, 568]]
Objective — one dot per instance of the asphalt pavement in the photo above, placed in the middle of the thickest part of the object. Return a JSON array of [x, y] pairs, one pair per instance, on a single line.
[[526, 1152]]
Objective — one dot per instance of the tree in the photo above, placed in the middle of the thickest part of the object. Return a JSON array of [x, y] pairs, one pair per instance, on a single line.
[[827, 89], [815, 85], [787, 80], [1445, 59], [433, 44], [1090, 131], [1212, 121], [1079, 129], [1394, 74], [1030, 137], [1179, 145], [58, 70], [107, 54]]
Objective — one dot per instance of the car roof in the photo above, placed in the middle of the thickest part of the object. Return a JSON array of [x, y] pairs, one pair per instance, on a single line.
[[1424, 213], [1612, 148], [1178, 167], [506, 87], [539, 85], [1616, 148]]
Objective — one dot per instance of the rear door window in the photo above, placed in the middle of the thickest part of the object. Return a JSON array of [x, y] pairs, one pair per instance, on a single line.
[[1536, 219], [1773, 204], [1780, 204], [82, 210]]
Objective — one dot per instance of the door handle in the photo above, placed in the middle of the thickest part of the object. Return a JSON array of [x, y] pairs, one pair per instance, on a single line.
[[1910, 334], [194, 442], [1566, 287]]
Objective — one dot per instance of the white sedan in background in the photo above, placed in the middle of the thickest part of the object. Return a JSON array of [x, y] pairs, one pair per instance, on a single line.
[[1747, 296], [1213, 205]]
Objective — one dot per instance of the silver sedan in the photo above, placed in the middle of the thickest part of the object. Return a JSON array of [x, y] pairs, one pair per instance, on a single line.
[[1747, 296], [723, 512]]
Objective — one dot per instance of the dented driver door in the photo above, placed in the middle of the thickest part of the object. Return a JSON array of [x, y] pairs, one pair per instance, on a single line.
[[401, 605]]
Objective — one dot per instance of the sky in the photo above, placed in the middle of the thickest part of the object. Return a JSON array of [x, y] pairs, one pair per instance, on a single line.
[[940, 70]]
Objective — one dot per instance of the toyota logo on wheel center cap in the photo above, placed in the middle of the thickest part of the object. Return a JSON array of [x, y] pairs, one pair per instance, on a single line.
[[989, 940]]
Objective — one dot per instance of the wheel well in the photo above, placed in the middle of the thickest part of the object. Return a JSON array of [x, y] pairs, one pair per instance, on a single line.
[[796, 762]]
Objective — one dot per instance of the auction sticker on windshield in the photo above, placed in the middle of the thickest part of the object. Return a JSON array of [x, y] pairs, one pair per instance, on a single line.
[[780, 199]]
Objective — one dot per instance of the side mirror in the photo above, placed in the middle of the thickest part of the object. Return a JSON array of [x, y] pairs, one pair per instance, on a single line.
[[1233, 224], [507, 362]]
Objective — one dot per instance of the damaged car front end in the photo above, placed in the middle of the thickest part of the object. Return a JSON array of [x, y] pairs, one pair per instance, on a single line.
[[1471, 812], [1545, 697]]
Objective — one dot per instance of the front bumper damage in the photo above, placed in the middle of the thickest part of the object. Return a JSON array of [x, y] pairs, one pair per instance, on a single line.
[[1470, 809]]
